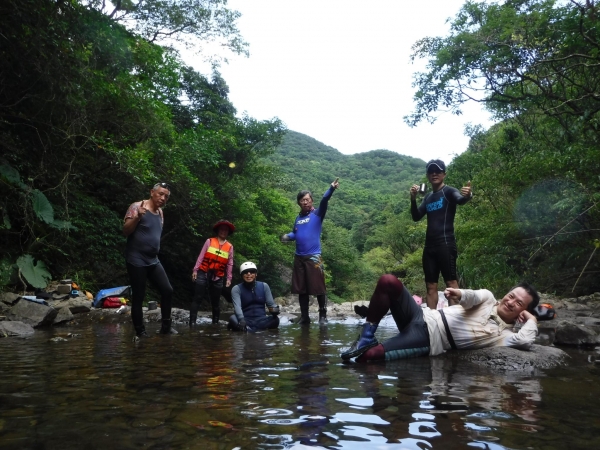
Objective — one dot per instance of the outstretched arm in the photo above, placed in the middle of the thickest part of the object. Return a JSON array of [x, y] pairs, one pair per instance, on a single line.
[[470, 298], [322, 209], [463, 196]]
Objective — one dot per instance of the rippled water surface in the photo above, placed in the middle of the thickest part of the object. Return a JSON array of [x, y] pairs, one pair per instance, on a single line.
[[213, 389]]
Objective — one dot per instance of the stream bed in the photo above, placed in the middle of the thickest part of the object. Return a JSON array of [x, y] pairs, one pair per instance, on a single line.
[[209, 388]]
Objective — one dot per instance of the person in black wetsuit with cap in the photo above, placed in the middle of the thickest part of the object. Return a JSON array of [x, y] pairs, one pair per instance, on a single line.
[[249, 300], [439, 254], [143, 225]]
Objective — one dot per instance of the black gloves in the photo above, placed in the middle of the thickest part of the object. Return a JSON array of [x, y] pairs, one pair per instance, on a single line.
[[242, 325], [274, 310]]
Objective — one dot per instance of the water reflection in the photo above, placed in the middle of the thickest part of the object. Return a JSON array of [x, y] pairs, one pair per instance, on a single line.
[[275, 389]]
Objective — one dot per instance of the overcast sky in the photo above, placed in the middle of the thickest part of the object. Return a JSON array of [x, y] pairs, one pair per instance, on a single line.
[[340, 72]]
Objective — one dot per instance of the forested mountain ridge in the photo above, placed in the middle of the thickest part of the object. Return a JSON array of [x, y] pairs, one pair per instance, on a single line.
[[383, 171], [370, 182]]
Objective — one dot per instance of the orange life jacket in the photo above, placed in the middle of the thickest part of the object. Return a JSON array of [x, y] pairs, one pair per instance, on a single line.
[[216, 257]]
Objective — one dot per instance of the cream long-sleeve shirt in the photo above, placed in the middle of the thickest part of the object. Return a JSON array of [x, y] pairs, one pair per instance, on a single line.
[[474, 323]]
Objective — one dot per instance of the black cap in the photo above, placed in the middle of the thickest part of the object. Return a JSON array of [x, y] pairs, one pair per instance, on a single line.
[[436, 163]]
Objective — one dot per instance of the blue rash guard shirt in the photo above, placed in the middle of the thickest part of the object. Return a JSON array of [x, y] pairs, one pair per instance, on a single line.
[[440, 207], [307, 228]]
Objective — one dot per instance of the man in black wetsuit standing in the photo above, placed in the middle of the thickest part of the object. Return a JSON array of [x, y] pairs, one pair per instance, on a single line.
[[439, 254], [143, 225]]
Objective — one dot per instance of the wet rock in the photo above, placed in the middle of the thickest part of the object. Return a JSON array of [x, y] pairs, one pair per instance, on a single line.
[[76, 305], [64, 315], [155, 315], [34, 314], [512, 359], [16, 328], [288, 300], [8, 298], [577, 307], [568, 333]]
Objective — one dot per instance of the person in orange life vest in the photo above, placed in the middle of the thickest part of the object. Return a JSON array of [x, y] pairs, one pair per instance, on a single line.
[[214, 264]]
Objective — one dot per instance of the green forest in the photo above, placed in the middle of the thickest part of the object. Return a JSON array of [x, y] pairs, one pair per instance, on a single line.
[[96, 105]]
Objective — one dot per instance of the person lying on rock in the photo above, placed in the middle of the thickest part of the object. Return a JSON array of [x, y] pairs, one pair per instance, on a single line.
[[477, 321], [249, 300]]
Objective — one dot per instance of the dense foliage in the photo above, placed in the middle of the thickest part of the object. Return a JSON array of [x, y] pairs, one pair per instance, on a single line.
[[93, 111], [534, 63], [91, 116]]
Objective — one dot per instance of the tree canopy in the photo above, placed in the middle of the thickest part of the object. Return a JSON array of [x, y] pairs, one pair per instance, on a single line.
[[534, 64], [91, 116]]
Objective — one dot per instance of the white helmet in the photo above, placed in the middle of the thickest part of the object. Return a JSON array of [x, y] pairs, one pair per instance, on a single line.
[[248, 265]]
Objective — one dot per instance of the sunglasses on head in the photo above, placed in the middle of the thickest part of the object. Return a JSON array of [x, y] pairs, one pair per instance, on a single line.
[[162, 185]]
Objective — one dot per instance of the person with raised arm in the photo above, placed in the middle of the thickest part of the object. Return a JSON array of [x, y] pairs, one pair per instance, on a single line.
[[308, 276]]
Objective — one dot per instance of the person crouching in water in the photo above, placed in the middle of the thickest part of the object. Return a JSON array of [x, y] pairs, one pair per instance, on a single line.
[[214, 263], [249, 300]]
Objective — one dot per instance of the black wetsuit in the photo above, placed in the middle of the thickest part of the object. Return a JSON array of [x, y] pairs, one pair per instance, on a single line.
[[440, 252], [141, 255]]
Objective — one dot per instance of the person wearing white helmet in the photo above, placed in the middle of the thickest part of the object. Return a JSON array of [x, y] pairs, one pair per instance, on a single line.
[[249, 300]]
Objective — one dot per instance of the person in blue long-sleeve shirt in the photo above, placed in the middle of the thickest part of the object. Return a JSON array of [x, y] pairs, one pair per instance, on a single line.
[[308, 277]]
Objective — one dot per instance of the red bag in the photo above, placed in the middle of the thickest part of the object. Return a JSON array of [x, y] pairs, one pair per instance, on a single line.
[[112, 302]]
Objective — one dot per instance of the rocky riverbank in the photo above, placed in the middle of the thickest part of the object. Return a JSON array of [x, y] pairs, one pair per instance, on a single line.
[[577, 323]]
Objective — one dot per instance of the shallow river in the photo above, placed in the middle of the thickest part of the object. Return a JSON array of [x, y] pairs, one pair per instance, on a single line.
[[213, 389]]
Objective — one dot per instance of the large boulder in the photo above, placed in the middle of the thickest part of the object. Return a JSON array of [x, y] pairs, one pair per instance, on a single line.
[[8, 329], [32, 313], [568, 333]]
